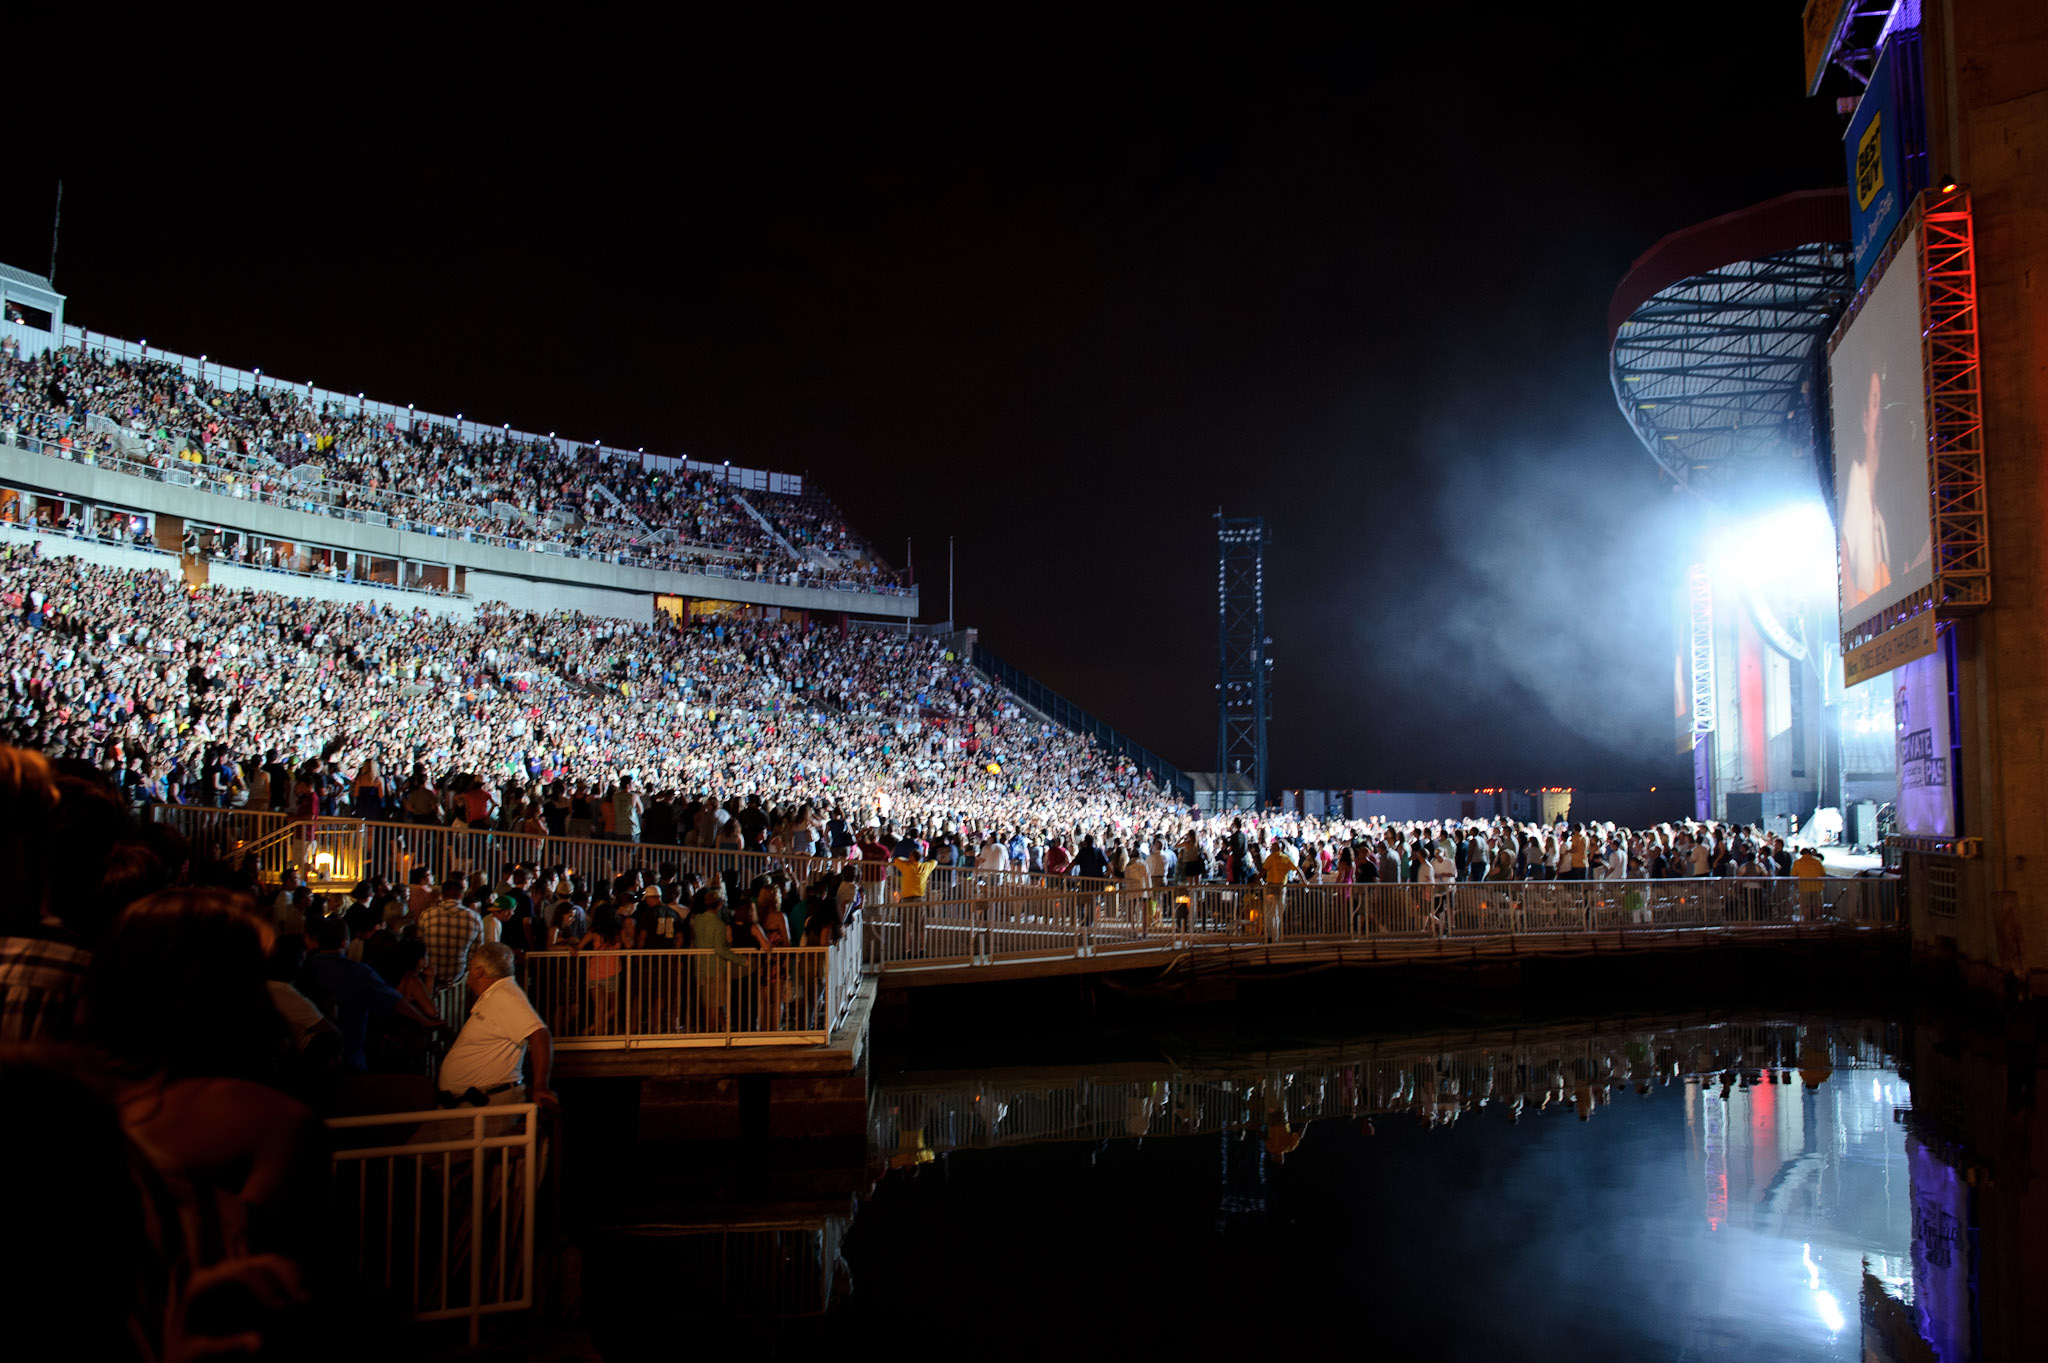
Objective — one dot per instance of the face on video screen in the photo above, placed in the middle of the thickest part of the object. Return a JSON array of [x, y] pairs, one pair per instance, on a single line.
[[1881, 447]]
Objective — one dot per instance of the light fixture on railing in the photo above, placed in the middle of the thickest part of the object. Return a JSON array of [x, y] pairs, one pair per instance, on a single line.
[[323, 865]]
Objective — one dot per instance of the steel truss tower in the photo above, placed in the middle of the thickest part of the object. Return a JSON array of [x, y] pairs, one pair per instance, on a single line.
[[1244, 702]]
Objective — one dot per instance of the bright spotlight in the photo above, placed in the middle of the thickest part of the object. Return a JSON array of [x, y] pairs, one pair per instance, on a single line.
[[1790, 550]]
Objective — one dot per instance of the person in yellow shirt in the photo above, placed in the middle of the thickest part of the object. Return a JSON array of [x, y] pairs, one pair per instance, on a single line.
[[913, 866], [1810, 871], [1276, 868]]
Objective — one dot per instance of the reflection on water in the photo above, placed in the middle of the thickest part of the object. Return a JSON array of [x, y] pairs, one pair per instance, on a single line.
[[1743, 1173], [1758, 1190]]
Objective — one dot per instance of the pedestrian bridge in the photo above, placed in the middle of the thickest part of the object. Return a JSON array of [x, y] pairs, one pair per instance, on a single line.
[[977, 932], [974, 926]]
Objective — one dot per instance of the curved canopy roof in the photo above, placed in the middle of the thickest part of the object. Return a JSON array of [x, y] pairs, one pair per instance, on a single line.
[[1717, 339]]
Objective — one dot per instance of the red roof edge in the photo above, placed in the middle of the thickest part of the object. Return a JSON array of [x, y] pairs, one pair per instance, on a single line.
[[1800, 218]]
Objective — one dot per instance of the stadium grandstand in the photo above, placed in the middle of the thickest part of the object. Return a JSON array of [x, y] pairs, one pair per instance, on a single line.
[[192, 562], [227, 466]]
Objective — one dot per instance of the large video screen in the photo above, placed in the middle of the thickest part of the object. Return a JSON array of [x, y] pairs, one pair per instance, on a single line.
[[1878, 402]]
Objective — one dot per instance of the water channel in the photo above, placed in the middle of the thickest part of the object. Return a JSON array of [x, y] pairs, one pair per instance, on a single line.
[[1754, 1187]]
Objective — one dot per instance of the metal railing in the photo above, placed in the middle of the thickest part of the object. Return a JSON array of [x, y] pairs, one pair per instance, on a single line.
[[968, 916], [441, 1207], [396, 847], [764, 1268], [222, 830], [626, 1000], [326, 850], [981, 917]]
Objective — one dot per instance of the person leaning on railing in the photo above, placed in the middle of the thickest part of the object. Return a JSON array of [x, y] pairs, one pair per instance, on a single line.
[[504, 1052], [710, 938]]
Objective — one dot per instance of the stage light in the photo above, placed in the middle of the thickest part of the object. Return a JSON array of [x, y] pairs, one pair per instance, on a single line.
[[1949, 187], [1789, 550]]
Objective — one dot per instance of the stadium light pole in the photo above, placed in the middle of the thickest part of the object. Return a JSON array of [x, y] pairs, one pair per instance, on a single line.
[[1244, 661]]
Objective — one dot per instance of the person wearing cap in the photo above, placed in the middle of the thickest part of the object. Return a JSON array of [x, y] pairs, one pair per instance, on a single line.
[[658, 927], [504, 923], [658, 924]]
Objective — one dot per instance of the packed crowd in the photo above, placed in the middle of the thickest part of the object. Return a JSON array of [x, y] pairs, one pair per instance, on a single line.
[[274, 444], [760, 736], [518, 719], [1293, 849]]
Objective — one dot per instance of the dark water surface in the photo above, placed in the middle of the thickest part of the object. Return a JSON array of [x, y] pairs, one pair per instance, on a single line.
[[1679, 1188]]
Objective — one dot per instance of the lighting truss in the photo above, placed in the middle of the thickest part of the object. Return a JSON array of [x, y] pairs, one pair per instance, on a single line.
[[1955, 406], [1860, 37], [1716, 373], [1700, 600], [1243, 686]]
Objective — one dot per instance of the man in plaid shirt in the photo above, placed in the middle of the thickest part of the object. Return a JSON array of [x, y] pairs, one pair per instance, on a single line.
[[42, 966], [450, 928], [40, 979]]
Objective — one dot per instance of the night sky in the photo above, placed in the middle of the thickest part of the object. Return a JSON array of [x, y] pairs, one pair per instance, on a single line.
[[1056, 286]]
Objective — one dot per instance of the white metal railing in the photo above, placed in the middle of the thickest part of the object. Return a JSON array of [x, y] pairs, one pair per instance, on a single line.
[[326, 850], [224, 830], [441, 1207], [614, 1000], [969, 916], [766, 1268], [395, 848], [976, 918]]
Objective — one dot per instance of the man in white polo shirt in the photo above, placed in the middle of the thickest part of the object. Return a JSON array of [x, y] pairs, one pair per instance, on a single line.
[[487, 1062]]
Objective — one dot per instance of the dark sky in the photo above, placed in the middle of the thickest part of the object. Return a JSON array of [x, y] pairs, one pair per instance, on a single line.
[[1058, 287]]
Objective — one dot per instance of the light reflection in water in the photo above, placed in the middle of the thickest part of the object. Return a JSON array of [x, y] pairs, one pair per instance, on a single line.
[[1788, 1129]]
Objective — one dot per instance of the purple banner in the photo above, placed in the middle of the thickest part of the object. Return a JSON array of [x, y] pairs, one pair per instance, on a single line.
[[1927, 806]]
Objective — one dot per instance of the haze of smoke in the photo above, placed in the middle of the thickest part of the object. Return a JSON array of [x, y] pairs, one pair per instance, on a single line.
[[1565, 589]]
